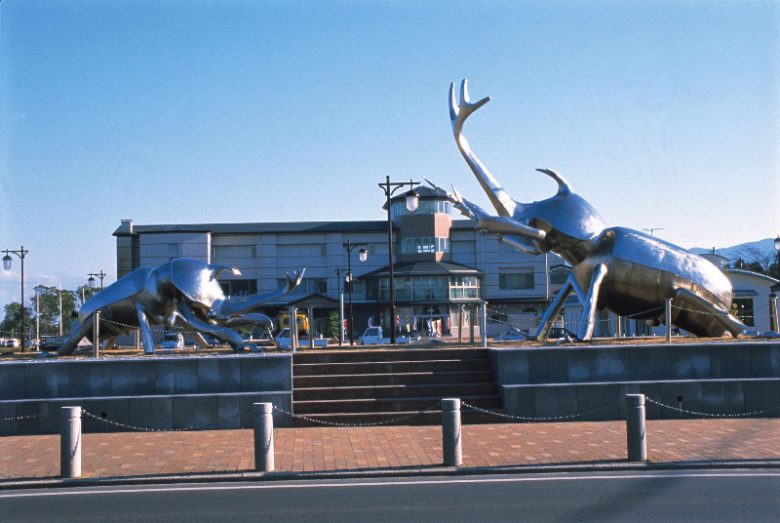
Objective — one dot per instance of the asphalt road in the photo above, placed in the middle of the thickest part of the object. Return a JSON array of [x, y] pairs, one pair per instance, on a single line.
[[627, 496]]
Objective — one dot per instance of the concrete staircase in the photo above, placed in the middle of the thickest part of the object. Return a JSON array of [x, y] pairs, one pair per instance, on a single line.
[[356, 386]]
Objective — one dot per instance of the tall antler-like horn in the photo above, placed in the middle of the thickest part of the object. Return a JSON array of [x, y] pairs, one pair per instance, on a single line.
[[502, 202]]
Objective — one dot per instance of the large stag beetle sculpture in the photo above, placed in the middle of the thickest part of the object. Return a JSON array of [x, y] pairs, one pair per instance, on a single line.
[[182, 289], [622, 270]]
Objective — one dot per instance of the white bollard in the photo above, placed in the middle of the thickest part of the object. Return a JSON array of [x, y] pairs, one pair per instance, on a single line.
[[264, 437], [70, 442], [450, 432], [636, 437]]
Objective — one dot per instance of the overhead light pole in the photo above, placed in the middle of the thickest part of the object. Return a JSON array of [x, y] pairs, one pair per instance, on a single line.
[[7, 263], [362, 256], [412, 201], [92, 276]]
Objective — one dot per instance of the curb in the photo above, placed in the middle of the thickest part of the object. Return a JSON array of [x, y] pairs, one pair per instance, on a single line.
[[384, 473]]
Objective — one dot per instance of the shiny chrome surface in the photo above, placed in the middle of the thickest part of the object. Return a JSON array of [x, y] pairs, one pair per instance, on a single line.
[[622, 270], [182, 291]]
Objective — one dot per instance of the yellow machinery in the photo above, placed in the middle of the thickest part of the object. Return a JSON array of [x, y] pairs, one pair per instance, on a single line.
[[301, 319]]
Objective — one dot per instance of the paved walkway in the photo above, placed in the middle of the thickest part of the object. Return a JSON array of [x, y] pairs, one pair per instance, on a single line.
[[345, 449]]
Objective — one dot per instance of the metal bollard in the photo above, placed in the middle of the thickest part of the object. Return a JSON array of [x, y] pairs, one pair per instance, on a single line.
[[668, 319], [70, 442], [264, 437], [636, 437], [450, 432]]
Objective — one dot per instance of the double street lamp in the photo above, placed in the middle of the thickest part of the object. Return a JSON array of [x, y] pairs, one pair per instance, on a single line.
[[362, 256], [93, 275], [7, 262], [412, 201]]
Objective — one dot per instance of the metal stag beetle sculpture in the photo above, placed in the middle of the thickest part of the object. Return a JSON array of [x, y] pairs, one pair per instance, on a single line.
[[182, 289], [622, 270]]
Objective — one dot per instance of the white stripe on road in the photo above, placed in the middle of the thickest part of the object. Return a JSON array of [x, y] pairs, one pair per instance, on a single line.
[[395, 483]]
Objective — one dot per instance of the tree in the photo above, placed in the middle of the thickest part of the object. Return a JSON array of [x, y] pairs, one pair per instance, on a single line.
[[753, 259], [12, 323], [332, 330], [49, 309]]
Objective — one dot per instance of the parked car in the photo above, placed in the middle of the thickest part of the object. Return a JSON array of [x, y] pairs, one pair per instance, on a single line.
[[172, 340], [51, 342], [12, 342]]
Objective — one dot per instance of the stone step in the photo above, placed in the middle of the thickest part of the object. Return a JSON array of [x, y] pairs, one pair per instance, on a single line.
[[395, 354], [437, 390], [380, 405], [409, 378], [391, 367]]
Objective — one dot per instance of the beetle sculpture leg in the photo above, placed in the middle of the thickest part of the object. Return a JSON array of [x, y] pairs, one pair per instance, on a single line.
[[219, 332], [72, 341], [588, 322], [555, 307], [144, 329], [729, 322]]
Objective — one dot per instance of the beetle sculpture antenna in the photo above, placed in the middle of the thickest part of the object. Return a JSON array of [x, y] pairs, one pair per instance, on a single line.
[[616, 269]]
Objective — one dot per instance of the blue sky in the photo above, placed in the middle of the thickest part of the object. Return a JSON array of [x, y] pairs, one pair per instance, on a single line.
[[661, 114]]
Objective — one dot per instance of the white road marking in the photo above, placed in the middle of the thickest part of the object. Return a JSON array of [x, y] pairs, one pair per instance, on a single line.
[[394, 483]]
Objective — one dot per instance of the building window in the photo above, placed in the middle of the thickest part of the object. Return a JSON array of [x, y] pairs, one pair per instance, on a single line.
[[424, 245], [307, 286], [235, 288], [559, 274], [229, 252], [424, 207], [743, 308], [464, 287], [516, 280]]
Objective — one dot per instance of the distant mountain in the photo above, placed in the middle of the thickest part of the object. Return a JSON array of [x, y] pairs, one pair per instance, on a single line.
[[761, 251]]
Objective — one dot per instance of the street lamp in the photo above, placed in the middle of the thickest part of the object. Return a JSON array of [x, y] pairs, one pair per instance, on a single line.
[[93, 275], [412, 201], [7, 261], [362, 256]]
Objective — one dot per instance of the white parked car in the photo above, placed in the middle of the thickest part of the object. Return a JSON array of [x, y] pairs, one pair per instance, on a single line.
[[172, 340]]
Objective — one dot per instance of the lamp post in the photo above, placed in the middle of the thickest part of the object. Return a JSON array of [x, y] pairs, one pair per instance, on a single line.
[[362, 256], [338, 271], [21, 253], [412, 200], [93, 275]]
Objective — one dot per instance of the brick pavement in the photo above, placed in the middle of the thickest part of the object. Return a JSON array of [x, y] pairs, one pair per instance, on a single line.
[[341, 449]]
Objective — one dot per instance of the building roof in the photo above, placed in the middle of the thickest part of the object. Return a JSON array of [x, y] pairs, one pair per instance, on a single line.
[[270, 227], [426, 268], [259, 228]]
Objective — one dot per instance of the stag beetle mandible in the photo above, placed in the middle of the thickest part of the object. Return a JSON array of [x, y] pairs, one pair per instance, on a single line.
[[619, 269]]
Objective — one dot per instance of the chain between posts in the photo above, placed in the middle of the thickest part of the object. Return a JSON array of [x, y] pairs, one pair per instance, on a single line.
[[432, 408], [710, 414], [19, 418], [535, 418], [134, 427]]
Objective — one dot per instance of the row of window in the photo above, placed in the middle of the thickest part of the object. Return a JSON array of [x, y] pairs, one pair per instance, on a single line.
[[424, 245], [424, 207], [425, 288], [406, 288]]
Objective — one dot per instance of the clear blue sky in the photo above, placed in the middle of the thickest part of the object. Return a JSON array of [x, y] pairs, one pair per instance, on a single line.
[[661, 114]]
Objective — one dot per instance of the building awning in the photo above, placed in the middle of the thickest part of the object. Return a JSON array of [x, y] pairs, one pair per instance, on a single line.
[[738, 293], [423, 269]]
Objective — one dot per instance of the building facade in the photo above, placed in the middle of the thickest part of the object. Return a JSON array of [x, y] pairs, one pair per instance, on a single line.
[[444, 271]]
